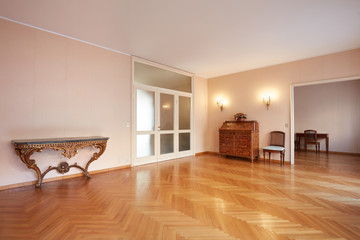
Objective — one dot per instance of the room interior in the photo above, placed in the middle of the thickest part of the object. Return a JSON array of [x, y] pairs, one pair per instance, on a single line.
[[330, 108], [67, 73]]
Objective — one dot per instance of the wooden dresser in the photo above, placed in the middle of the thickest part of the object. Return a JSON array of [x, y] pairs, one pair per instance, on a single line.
[[239, 138]]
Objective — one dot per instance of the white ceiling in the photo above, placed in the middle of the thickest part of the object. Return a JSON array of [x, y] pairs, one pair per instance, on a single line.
[[206, 37]]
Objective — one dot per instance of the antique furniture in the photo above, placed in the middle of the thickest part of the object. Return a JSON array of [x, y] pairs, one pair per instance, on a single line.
[[240, 139], [325, 136], [277, 145], [69, 148], [310, 137]]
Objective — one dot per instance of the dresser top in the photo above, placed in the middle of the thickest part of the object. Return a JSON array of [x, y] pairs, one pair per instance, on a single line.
[[240, 122], [240, 125]]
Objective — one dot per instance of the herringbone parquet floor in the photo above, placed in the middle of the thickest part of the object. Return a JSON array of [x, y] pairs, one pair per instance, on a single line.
[[194, 198]]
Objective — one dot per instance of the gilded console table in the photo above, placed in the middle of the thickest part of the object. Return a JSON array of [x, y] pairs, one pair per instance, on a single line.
[[69, 148]]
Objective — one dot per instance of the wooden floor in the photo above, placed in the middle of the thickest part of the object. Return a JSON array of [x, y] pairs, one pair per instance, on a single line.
[[194, 198]]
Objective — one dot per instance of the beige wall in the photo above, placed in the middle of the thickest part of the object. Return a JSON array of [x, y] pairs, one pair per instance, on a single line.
[[330, 108], [52, 86], [244, 91], [201, 114]]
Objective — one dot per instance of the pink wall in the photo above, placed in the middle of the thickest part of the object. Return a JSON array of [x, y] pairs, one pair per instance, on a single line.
[[244, 91], [201, 113], [330, 108], [52, 86]]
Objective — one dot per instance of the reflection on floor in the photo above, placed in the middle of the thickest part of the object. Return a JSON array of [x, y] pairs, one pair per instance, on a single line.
[[349, 164]]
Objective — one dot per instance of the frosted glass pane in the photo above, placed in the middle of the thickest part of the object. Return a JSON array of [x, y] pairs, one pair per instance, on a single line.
[[184, 113], [145, 110], [184, 141], [144, 145], [166, 112], [158, 77], [166, 143]]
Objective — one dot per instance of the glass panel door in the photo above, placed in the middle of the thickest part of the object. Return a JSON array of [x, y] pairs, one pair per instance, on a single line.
[[167, 125], [184, 142], [166, 111], [145, 126], [162, 125], [145, 110], [162, 114], [184, 124], [184, 113]]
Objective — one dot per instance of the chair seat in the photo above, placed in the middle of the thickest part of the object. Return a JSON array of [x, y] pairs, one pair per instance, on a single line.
[[274, 148]]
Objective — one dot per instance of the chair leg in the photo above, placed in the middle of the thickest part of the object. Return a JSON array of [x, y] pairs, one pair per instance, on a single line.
[[283, 153], [264, 152], [269, 157]]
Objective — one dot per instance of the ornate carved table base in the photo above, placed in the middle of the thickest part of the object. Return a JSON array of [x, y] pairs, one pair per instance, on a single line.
[[69, 148]]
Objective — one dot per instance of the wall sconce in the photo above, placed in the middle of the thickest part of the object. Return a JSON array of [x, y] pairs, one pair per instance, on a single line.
[[220, 103], [267, 101]]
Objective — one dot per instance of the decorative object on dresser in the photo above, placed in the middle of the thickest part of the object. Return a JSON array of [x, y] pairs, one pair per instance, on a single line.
[[240, 117], [240, 139], [277, 145], [69, 148]]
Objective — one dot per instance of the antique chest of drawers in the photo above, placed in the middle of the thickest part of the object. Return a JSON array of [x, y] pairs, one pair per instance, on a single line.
[[240, 139]]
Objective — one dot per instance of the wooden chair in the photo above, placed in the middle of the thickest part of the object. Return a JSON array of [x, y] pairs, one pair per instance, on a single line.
[[310, 137], [277, 145], [297, 144]]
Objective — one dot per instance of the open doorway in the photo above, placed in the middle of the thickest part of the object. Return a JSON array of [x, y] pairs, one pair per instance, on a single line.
[[330, 106]]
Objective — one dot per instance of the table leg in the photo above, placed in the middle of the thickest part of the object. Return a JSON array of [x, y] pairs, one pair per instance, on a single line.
[[297, 147], [101, 147], [327, 144], [298, 138], [25, 155]]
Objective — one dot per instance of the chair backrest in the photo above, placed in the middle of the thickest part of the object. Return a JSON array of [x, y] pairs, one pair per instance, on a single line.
[[277, 138], [310, 135]]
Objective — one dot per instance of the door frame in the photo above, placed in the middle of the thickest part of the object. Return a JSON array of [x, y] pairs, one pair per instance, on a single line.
[[292, 107], [133, 109]]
